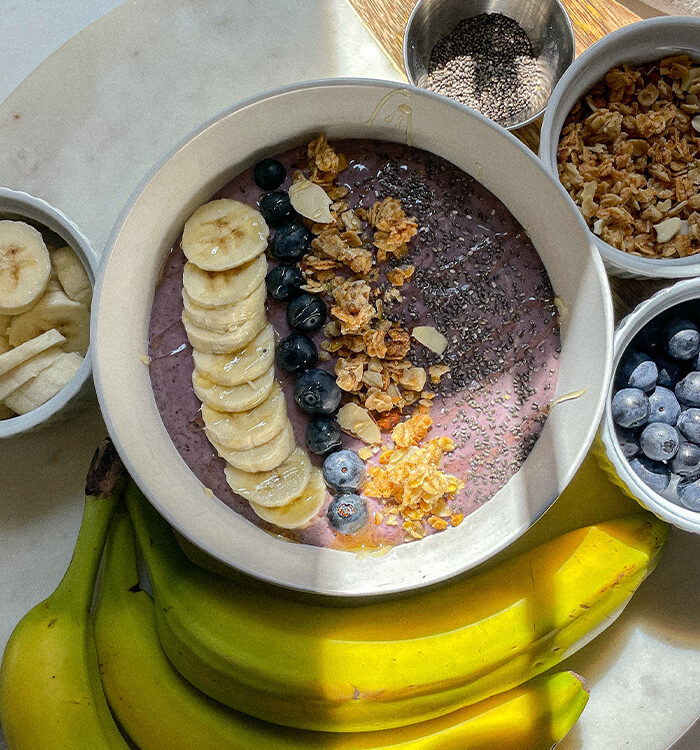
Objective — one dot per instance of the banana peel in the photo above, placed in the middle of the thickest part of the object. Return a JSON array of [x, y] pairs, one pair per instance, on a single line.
[[389, 664], [50, 691], [159, 709]]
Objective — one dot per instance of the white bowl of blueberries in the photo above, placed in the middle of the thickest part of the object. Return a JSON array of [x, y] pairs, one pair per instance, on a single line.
[[651, 428]]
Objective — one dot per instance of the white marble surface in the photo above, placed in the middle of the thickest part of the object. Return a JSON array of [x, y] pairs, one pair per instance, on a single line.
[[83, 129]]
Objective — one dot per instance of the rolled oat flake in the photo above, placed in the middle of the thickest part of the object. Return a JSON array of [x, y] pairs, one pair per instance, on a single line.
[[487, 63]]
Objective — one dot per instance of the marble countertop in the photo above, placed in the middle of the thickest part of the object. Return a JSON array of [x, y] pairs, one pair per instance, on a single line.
[[83, 128]]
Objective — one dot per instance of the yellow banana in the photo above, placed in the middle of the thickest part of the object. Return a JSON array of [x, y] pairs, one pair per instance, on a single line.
[[50, 691], [390, 663], [159, 709]]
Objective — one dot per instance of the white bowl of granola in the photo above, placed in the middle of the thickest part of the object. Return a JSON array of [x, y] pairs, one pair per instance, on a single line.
[[618, 131], [503, 266]]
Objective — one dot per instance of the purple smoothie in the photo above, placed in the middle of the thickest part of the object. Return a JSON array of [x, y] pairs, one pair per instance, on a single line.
[[478, 280]]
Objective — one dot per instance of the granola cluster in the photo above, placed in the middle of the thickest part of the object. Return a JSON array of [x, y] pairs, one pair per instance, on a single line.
[[409, 479], [372, 364], [629, 155]]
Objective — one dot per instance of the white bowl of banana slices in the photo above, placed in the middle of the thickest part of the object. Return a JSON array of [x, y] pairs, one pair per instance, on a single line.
[[47, 271]]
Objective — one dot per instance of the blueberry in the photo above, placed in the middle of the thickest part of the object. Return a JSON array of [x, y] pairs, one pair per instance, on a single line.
[[669, 373], [291, 242], [269, 174], [688, 425], [687, 461], [344, 471], [276, 208], [323, 436], [307, 313], [689, 494], [296, 353], [628, 442], [688, 389], [663, 406], [348, 513], [654, 474], [659, 441], [284, 282], [630, 407], [637, 370], [649, 337], [681, 339], [316, 392]]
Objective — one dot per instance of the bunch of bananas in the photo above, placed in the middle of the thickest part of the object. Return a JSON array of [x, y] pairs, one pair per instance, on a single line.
[[190, 668]]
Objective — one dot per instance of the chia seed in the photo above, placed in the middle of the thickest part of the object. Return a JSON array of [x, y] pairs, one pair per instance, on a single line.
[[486, 62]]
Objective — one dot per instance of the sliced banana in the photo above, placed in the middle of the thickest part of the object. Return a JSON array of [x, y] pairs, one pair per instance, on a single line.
[[274, 488], [225, 318], [236, 398], [212, 289], [242, 366], [301, 509], [46, 384], [224, 234], [12, 380], [54, 310], [72, 274], [263, 457], [213, 342], [29, 349], [247, 429], [25, 267]]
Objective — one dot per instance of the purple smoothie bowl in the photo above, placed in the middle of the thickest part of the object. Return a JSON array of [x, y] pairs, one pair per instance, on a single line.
[[206, 162]]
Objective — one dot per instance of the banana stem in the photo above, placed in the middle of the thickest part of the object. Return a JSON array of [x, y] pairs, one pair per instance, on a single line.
[[103, 489]]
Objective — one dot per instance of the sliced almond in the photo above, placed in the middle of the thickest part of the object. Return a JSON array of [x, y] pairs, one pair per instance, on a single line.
[[310, 200], [357, 421], [695, 122], [666, 230], [431, 338]]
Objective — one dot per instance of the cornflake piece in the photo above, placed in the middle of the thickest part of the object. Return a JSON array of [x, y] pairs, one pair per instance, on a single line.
[[431, 338]]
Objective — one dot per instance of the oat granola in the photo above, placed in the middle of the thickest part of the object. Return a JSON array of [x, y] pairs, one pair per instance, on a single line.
[[630, 158]]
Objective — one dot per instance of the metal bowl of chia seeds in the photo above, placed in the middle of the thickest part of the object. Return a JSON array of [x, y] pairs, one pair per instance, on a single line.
[[500, 57]]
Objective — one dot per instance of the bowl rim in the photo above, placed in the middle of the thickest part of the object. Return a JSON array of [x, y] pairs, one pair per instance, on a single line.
[[629, 327], [36, 417], [670, 268], [364, 591], [517, 125]]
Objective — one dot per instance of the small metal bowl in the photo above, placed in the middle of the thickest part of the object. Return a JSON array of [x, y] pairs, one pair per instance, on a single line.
[[78, 392], [545, 22], [606, 447]]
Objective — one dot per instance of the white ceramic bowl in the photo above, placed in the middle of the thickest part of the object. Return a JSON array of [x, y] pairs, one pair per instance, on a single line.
[[641, 42], [19, 206], [609, 454], [210, 158]]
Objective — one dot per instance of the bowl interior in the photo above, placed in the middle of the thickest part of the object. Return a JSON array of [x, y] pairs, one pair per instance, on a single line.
[[684, 291], [58, 229], [204, 163], [639, 43], [544, 21]]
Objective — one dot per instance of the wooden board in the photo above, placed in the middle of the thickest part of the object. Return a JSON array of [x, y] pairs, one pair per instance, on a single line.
[[386, 21]]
